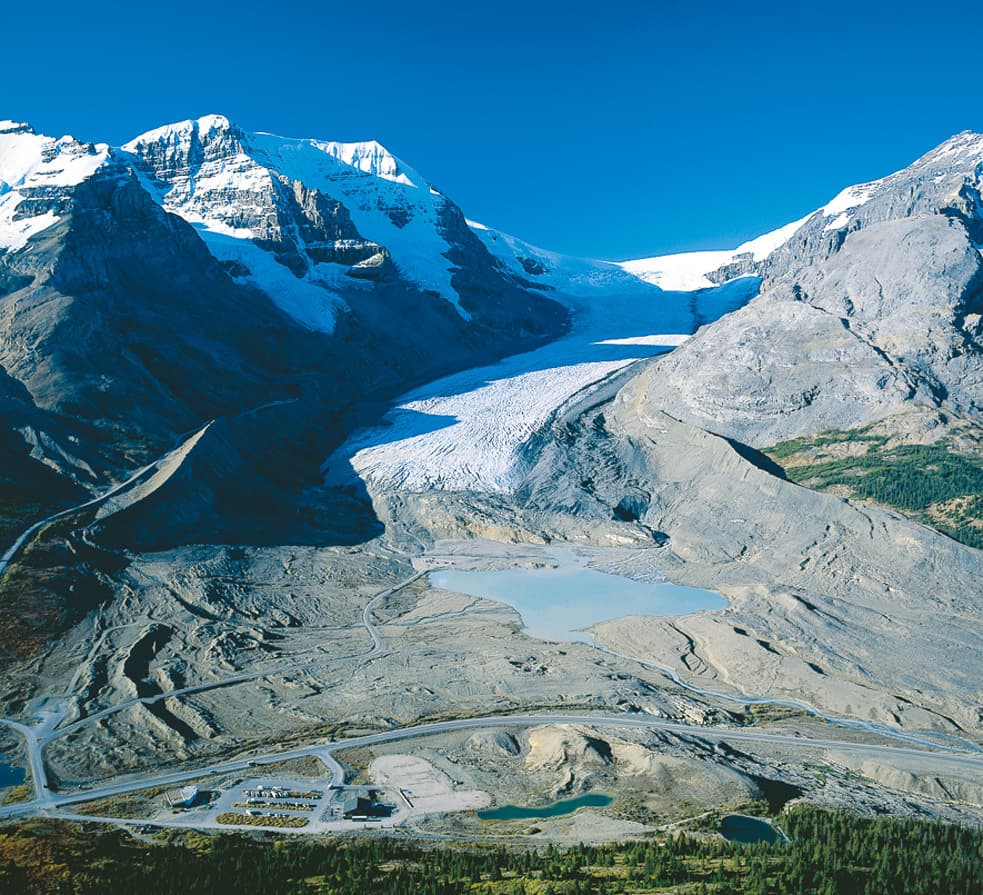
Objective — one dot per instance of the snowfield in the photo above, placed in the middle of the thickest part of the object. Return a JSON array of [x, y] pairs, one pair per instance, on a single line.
[[466, 432], [690, 270]]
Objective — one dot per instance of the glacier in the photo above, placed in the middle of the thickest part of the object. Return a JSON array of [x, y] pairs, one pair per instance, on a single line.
[[468, 432]]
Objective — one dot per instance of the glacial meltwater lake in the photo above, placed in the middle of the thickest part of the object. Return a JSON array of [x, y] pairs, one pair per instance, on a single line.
[[558, 603], [557, 809]]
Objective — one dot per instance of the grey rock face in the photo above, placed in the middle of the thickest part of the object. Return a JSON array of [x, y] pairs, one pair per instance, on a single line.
[[863, 611], [297, 224], [854, 322], [122, 297]]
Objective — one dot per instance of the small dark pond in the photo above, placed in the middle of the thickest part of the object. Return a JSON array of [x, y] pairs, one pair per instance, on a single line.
[[740, 828], [777, 793], [10, 775]]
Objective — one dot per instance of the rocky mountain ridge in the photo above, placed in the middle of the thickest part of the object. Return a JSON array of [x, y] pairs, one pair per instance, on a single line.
[[310, 204], [859, 318], [200, 271]]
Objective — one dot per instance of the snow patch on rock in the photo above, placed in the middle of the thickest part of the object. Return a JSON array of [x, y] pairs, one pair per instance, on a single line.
[[566, 275], [688, 271], [35, 166]]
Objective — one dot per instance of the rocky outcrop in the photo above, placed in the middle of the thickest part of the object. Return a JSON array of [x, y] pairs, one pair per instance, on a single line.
[[859, 317]]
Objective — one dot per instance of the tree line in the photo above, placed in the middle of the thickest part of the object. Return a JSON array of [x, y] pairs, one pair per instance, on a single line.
[[829, 853]]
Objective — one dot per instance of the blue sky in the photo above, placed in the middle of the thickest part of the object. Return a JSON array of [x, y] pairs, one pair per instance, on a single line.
[[617, 129]]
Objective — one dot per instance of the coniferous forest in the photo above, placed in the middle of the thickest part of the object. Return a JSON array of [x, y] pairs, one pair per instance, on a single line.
[[940, 485], [828, 854]]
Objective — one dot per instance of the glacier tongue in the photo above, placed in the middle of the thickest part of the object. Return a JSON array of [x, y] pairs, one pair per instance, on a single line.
[[468, 432]]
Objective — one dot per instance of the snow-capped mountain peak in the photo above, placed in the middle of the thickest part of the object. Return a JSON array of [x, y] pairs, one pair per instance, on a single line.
[[36, 173], [372, 158], [8, 126], [960, 148], [181, 130], [295, 214]]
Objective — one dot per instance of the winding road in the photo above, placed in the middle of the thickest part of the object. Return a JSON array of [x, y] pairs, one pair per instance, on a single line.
[[14, 549], [39, 776], [377, 649], [26, 535], [38, 736], [851, 723]]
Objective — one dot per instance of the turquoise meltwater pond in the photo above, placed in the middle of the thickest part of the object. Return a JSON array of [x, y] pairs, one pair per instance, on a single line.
[[558, 603], [557, 809]]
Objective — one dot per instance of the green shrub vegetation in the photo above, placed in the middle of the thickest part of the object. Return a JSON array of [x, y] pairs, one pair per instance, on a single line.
[[16, 513], [264, 820], [828, 854], [939, 484], [272, 806]]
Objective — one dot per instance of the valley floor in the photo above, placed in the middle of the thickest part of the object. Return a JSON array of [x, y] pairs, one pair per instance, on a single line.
[[212, 661]]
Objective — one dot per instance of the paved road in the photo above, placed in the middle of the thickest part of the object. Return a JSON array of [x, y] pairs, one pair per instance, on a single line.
[[378, 644], [939, 760], [39, 776], [34, 742], [14, 549]]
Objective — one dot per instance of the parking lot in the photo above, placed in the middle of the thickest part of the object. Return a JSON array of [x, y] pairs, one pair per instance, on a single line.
[[297, 803]]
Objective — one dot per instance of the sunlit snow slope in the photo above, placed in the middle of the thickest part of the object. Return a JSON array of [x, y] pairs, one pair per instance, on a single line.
[[693, 270]]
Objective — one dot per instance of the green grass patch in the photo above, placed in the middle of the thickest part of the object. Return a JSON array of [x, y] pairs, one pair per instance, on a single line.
[[786, 449], [248, 820], [273, 806]]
